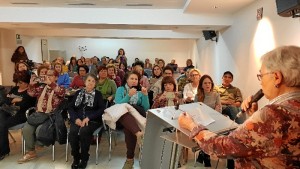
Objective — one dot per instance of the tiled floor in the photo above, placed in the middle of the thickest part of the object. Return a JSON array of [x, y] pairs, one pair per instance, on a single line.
[[44, 161]]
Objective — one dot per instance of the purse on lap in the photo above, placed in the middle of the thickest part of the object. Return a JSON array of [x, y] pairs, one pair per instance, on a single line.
[[37, 118]]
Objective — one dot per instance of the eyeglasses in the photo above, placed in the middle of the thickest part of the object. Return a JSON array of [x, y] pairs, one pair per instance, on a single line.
[[193, 75], [259, 76]]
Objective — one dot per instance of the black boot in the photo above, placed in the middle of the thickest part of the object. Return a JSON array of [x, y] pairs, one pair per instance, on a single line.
[[82, 164], [200, 157], [75, 164], [206, 160]]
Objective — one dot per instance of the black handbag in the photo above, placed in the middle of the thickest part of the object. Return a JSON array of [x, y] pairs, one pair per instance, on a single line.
[[37, 118]]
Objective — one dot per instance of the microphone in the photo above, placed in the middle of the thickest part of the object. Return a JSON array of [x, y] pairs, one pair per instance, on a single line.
[[256, 97]]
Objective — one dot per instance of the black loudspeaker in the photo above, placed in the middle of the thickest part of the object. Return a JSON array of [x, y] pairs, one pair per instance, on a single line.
[[209, 34], [287, 8]]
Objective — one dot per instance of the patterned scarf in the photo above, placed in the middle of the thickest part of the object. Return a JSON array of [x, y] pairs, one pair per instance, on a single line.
[[134, 98], [49, 101], [88, 98]]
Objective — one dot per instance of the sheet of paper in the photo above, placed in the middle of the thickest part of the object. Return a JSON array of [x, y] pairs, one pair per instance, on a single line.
[[200, 117]]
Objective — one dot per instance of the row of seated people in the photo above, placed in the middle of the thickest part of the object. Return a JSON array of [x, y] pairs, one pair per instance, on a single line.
[[108, 89]]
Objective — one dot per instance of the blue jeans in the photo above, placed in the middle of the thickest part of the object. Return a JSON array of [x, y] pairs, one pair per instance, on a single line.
[[232, 111]]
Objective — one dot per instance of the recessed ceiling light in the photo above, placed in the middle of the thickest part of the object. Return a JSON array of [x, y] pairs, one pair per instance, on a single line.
[[216, 7]]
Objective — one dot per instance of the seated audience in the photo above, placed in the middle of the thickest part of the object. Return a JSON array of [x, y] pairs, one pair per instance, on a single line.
[[105, 85], [64, 67], [183, 80], [156, 88], [144, 80], [85, 112], [148, 65], [161, 64], [231, 97], [92, 68], [49, 97], [20, 101], [169, 96], [189, 65], [111, 70], [78, 81], [190, 89], [173, 65], [156, 74], [73, 67], [64, 78], [127, 93]]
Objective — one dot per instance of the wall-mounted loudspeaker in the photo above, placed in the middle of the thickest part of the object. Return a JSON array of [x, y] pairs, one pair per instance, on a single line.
[[287, 8], [209, 34]]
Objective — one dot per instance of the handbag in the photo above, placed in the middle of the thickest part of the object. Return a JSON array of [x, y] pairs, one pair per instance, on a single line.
[[37, 118]]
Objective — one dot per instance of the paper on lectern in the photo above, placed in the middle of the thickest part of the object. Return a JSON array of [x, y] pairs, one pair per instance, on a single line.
[[200, 117]]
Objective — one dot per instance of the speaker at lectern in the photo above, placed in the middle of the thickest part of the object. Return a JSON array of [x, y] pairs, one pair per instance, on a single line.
[[158, 152]]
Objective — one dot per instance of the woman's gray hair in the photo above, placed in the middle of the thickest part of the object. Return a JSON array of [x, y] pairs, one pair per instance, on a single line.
[[285, 59]]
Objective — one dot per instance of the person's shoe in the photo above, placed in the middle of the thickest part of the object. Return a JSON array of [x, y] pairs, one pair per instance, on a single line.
[[128, 164], [3, 156], [75, 164], [39, 148], [82, 164], [27, 157]]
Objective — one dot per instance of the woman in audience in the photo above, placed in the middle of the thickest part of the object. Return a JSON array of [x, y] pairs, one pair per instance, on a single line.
[[41, 74], [111, 70], [190, 89], [183, 79], [72, 67], [106, 86], [49, 97], [121, 56], [144, 80], [16, 97], [269, 138], [212, 99], [85, 112], [148, 65], [161, 63], [19, 55], [169, 96], [122, 70], [63, 79], [156, 74], [78, 81], [20, 66], [128, 93], [189, 65], [79, 62]]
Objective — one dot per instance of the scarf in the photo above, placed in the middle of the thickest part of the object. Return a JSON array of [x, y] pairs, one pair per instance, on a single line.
[[49, 101], [88, 98], [170, 96], [134, 98]]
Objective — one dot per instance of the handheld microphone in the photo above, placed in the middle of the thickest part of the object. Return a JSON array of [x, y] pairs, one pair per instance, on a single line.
[[256, 97]]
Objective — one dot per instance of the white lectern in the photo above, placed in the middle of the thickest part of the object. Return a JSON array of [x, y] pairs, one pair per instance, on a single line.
[[158, 153]]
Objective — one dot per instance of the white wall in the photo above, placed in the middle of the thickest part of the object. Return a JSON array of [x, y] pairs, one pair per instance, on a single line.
[[7, 48], [241, 45], [134, 48]]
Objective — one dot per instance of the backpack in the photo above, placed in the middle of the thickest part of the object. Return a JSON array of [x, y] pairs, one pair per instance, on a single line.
[[46, 133]]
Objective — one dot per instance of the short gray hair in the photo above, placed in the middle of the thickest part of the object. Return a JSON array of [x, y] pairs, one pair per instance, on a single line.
[[285, 59]]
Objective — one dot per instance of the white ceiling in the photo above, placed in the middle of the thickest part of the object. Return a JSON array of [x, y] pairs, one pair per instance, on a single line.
[[193, 16]]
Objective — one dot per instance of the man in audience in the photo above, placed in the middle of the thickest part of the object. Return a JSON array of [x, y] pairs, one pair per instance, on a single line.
[[92, 68], [231, 97]]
